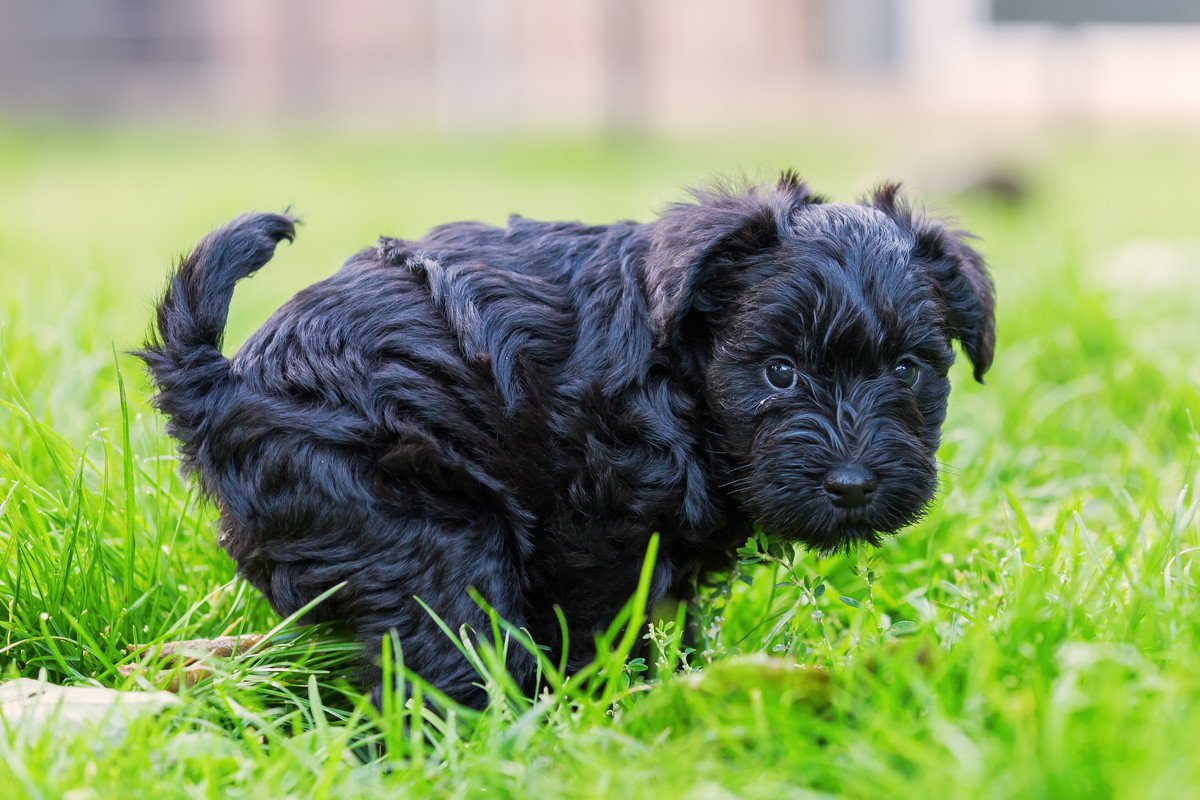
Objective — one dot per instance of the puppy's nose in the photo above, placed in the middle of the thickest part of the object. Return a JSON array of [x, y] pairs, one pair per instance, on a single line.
[[850, 485]]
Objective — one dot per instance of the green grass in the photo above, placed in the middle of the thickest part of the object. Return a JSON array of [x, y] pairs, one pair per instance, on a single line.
[[1035, 636]]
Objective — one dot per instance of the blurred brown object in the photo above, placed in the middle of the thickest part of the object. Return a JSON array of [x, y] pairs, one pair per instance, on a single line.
[[999, 185]]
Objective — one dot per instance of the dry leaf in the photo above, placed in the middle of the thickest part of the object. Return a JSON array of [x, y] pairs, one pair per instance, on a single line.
[[187, 655], [192, 649]]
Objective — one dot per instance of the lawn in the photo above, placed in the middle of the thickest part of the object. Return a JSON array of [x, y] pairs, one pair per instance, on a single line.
[[1035, 636]]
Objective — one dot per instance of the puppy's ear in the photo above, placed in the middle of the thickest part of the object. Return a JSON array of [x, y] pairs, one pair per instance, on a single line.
[[959, 273], [695, 246]]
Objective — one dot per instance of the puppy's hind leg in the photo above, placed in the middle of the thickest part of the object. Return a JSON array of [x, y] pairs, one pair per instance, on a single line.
[[439, 562]]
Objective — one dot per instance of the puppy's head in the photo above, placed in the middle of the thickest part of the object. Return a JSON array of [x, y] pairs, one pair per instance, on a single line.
[[820, 336]]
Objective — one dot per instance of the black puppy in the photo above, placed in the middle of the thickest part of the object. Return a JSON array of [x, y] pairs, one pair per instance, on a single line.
[[518, 409]]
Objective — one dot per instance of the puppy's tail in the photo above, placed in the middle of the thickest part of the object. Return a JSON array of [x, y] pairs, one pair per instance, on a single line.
[[184, 353]]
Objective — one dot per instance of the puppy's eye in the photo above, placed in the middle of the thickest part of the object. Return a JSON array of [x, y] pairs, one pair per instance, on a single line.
[[781, 374], [908, 372]]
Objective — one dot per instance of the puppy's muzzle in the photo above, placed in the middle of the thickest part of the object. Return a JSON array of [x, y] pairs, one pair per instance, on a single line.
[[850, 485]]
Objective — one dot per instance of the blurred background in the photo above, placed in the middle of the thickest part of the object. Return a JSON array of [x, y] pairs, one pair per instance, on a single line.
[[611, 65]]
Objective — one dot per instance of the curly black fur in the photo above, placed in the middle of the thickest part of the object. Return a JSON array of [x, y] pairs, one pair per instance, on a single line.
[[518, 409]]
